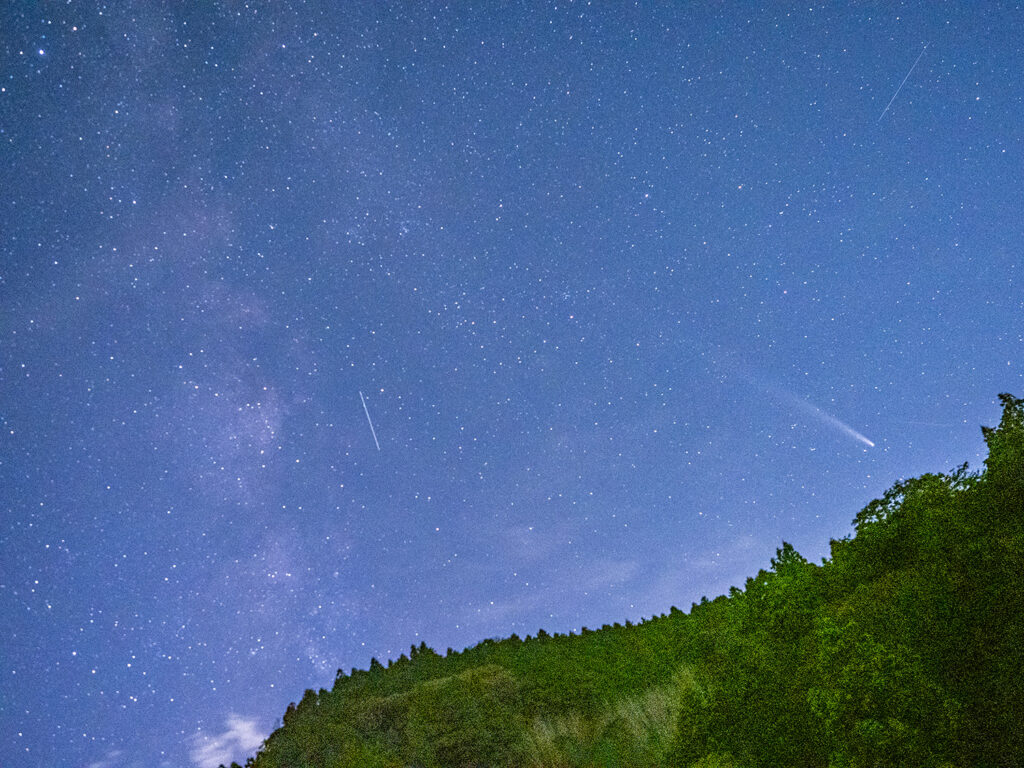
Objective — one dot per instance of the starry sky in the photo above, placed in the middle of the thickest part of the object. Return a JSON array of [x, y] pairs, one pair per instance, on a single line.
[[629, 293]]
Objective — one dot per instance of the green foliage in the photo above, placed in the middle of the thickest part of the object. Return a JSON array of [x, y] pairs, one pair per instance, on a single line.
[[470, 719], [875, 703], [902, 649], [634, 731]]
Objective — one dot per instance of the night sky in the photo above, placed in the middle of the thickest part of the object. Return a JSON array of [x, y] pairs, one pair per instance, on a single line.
[[631, 294]]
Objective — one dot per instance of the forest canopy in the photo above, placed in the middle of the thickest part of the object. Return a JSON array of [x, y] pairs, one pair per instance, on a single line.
[[903, 648]]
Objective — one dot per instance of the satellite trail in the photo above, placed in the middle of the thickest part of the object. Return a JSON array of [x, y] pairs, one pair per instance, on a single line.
[[369, 421], [901, 84]]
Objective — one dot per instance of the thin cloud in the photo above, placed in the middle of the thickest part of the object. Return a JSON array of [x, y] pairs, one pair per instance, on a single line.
[[241, 739], [110, 760], [605, 573]]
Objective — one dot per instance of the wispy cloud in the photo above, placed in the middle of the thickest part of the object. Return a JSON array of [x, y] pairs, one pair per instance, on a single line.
[[715, 571], [602, 574], [115, 758], [240, 740], [110, 760]]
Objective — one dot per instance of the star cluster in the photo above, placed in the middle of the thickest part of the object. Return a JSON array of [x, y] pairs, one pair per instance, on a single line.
[[621, 286]]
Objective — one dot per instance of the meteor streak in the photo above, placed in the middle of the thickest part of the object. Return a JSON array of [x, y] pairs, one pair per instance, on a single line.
[[370, 422], [901, 84]]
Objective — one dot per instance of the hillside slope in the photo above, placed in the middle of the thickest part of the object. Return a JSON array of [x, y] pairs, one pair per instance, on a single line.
[[904, 648]]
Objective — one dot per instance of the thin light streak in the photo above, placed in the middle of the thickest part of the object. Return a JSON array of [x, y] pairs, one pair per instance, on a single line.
[[901, 84], [369, 420]]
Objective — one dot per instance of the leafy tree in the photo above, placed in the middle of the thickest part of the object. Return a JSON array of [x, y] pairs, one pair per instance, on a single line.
[[469, 719], [904, 648]]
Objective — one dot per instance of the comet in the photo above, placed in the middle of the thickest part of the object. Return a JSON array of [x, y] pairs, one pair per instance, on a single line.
[[841, 426], [820, 415]]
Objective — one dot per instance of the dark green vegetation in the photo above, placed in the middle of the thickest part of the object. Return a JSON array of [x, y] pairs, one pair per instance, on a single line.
[[904, 648]]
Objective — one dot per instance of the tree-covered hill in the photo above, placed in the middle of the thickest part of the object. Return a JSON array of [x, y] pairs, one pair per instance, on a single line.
[[904, 648]]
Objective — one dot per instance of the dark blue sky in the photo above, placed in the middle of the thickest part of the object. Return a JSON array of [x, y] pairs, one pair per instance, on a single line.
[[632, 293]]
